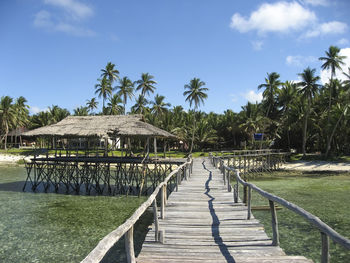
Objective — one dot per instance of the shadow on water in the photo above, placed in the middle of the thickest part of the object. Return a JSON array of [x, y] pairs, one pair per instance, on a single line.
[[141, 228], [216, 222]]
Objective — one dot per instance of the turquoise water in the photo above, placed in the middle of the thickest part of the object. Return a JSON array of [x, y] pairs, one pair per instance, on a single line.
[[41, 227]]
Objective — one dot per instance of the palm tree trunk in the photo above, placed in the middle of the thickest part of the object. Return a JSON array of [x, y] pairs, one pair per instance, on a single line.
[[329, 142], [194, 127], [305, 128]]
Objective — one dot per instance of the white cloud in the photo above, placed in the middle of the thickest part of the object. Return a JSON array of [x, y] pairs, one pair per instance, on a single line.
[[252, 96], [43, 19], [329, 28], [69, 21], [300, 61], [343, 41], [76, 9], [316, 2], [35, 109], [277, 17], [257, 45], [326, 74], [74, 30], [233, 97]]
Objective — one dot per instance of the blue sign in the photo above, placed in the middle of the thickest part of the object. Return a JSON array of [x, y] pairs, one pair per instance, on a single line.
[[258, 136]]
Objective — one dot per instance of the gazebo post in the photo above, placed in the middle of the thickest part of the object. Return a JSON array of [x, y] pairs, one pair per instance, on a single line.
[[164, 148], [155, 146]]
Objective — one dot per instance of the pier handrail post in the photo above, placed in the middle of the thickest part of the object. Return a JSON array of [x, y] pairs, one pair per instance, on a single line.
[[156, 222], [228, 181], [325, 248], [249, 208], [162, 203], [129, 246], [274, 221], [177, 180], [224, 175]]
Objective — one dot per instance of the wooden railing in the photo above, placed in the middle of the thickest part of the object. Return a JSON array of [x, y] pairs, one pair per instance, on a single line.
[[326, 231], [126, 229]]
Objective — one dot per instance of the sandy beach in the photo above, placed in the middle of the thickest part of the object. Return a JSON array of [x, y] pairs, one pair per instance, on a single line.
[[317, 166], [11, 158]]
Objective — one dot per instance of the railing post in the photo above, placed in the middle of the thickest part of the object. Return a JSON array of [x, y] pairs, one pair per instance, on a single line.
[[162, 203], [245, 194], [236, 190], [177, 180], [228, 181], [224, 175], [129, 245], [156, 222], [275, 240], [165, 195], [325, 248], [249, 202]]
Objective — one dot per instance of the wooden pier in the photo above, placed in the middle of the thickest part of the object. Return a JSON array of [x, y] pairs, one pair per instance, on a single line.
[[202, 223]]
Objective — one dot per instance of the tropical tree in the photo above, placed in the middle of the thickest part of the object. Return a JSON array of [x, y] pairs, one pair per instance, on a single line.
[[110, 72], [195, 94], [57, 114], [309, 89], [271, 85], [103, 89], [114, 107], [81, 111], [286, 97], [159, 106], [91, 104], [332, 62], [7, 117], [125, 90], [140, 105], [146, 84]]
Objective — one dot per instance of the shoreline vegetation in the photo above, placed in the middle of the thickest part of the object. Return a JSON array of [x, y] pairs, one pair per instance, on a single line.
[[303, 116]]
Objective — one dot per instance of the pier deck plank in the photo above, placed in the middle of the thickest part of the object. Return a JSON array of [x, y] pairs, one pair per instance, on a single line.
[[203, 224]]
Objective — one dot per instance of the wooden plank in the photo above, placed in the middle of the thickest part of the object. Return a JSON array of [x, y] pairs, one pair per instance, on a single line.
[[204, 224]]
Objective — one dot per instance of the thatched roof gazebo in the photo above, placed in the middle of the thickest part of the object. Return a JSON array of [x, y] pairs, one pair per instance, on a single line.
[[105, 126], [102, 127]]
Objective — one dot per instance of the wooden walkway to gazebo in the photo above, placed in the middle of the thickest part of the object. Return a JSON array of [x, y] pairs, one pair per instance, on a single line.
[[203, 224]]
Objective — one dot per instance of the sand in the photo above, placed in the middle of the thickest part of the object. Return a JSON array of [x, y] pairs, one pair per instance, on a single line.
[[317, 166], [11, 158]]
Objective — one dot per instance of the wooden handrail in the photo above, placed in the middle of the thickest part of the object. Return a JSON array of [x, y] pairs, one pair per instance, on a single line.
[[326, 231], [97, 254]]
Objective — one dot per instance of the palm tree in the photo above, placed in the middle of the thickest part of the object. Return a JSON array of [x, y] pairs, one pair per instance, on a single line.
[[286, 97], [271, 89], [332, 61], [81, 111], [195, 94], [57, 114], [146, 84], [342, 107], [91, 104], [114, 107], [110, 72], [7, 117], [140, 105], [159, 106], [126, 90], [103, 89], [309, 88]]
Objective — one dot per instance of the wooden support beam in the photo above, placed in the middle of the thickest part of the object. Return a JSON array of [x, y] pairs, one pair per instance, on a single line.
[[162, 202], [129, 246], [249, 202], [325, 248], [274, 221], [156, 221]]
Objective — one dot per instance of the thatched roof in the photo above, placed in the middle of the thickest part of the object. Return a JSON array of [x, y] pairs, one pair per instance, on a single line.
[[101, 126]]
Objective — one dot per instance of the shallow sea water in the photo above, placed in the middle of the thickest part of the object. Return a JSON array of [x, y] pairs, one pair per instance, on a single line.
[[49, 227]]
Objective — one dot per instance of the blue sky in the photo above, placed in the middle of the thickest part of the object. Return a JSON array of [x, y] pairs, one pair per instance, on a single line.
[[52, 51]]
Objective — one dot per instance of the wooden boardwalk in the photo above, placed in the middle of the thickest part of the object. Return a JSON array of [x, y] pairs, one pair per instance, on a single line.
[[203, 224]]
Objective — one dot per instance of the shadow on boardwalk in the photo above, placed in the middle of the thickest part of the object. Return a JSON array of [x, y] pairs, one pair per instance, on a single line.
[[216, 222]]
